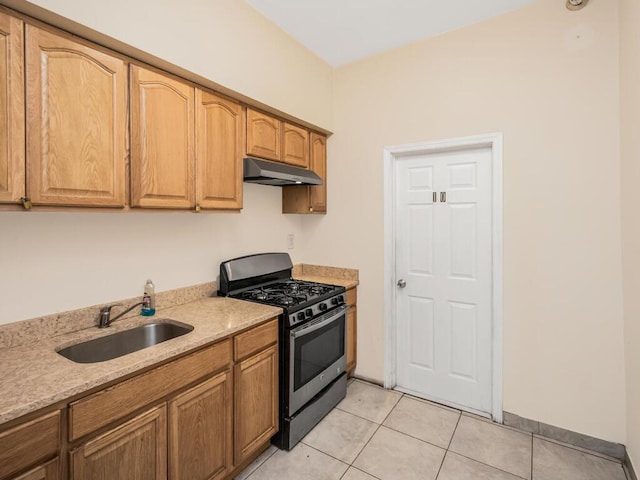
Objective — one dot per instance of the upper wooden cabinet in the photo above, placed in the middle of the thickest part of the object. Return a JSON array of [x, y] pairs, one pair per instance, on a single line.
[[307, 199], [12, 166], [220, 140], [295, 145], [318, 194], [76, 123], [264, 134], [162, 141]]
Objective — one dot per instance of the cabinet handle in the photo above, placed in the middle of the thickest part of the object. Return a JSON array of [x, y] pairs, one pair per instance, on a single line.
[[311, 209], [26, 203], [443, 197], [197, 207], [435, 197]]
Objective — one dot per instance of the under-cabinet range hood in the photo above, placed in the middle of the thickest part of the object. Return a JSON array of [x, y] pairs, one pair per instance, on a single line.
[[277, 174]]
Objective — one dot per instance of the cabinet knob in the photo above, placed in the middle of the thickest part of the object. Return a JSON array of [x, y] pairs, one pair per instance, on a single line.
[[197, 207], [311, 209], [26, 203]]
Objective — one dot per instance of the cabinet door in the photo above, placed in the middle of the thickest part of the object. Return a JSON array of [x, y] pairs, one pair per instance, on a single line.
[[136, 450], [12, 166], [76, 123], [219, 139], [200, 430], [48, 471], [256, 402], [296, 146], [352, 339], [263, 135], [318, 194], [29, 443], [162, 141]]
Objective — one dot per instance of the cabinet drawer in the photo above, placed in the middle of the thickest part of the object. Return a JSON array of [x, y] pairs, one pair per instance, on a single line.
[[29, 443], [255, 339], [48, 471], [352, 296], [102, 408]]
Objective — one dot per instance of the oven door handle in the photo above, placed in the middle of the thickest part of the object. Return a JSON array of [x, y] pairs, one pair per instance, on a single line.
[[308, 328]]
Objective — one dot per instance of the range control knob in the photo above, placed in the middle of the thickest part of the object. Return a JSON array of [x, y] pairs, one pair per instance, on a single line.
[[322, 307], [308, 312], [335, 301], [341, 299], [300, 316]]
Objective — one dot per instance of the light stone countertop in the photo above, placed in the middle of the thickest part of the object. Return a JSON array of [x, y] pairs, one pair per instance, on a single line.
[[343, 282], [35, 376]]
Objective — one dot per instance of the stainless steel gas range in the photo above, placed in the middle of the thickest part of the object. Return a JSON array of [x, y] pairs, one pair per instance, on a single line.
[[312, 337]]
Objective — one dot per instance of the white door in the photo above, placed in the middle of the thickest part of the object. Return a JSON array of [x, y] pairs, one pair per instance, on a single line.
[[444, 257]]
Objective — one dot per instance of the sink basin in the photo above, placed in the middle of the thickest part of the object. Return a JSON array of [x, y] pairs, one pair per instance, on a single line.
[[125, 342]]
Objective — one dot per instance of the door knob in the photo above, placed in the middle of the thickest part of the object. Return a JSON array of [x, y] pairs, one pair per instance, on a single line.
[[402, 283]]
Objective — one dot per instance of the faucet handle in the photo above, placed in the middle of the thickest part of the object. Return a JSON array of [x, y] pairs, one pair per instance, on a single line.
[[107, 309], [104, 319]]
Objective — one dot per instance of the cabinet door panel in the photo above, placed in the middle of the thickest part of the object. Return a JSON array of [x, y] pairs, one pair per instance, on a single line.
[[263, 135], [162, 141], [12, 166], [76, 124], [136, 450], [296, 146], [220, 136], [318, 195], [256, 400], [201, 430]]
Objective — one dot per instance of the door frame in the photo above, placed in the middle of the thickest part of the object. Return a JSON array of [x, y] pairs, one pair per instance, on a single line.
[[393, 154]]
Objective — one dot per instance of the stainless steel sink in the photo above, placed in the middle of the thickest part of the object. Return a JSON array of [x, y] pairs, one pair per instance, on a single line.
[[125, 342]]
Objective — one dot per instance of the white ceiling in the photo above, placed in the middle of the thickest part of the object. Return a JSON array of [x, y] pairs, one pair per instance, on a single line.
[[342, 31]]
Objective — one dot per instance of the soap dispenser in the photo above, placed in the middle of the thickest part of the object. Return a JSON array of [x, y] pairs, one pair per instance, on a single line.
[[149, 299]]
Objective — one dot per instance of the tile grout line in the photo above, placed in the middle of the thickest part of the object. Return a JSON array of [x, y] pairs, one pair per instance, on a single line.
[[374, 433], [325, 453], [531, 472], [261, 463], [487, 465], [449, 444], [578, 448]]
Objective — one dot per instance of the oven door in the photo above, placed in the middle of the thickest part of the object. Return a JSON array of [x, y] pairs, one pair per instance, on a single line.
[[316, 356]]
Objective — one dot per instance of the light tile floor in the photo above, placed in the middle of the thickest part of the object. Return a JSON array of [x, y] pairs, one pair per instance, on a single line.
[[377, 434]]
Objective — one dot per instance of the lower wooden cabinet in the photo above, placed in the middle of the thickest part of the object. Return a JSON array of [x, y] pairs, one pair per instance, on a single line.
[[256, 400], [29, 444], [47, 471], [352, 331], [201, 430], [352, 336], [203, 416], [135, 450]]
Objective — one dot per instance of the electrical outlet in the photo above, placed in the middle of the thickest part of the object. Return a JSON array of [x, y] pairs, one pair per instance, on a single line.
[[291, 241]]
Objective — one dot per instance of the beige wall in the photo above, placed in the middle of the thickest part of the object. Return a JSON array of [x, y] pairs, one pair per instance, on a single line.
[[51, 262], [630, 170], [548, 79]]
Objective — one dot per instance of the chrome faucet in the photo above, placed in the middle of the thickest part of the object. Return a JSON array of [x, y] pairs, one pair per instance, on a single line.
[[105, 314]]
